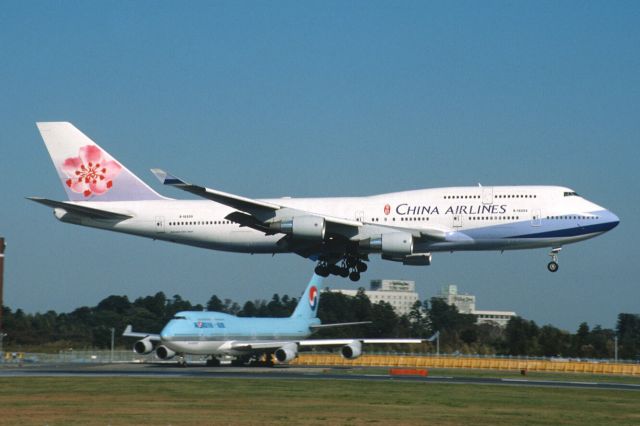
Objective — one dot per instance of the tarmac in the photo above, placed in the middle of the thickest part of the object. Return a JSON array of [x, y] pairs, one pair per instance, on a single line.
[[171, 370]]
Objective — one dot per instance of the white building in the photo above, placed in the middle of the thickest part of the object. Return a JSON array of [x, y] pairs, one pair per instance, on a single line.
[[466, 304], [400, 294]]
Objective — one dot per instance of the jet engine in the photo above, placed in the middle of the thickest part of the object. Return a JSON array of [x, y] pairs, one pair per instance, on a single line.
[[304, 227], [352, 350], [393, 244], [287, 352], [143, 347], [164, 352]]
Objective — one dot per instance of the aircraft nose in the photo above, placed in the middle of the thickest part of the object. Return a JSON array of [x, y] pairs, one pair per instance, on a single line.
[[166, 333], [610, 220]]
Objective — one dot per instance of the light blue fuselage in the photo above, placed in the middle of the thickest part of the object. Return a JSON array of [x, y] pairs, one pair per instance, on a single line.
[[206, 332]]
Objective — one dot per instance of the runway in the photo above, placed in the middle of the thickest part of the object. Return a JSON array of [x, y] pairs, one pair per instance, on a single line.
[[281, 373]]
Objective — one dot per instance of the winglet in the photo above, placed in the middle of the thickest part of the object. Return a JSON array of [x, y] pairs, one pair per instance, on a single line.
[[166, 178]]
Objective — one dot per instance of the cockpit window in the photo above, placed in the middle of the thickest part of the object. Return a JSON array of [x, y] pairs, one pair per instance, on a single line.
[[571, 194], [179, 317]]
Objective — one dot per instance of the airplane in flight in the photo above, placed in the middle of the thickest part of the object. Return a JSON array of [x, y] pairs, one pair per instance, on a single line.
[[339, 233], [217, 334]]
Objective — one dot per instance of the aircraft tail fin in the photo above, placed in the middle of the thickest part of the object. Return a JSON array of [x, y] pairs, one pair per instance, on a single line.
[[308, 304], [87, 171]]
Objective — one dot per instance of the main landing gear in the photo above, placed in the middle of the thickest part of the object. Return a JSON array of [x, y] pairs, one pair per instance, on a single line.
[[350, 266], [213, 361], [553, 265]]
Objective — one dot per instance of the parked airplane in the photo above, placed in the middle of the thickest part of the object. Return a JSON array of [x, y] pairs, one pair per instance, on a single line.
[[339, 233], [216, 334]]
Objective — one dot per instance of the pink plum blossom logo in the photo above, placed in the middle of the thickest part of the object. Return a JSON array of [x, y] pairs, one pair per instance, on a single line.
[[90, 172]]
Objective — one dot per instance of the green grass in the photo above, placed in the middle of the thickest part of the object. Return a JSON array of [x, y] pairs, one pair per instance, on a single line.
[[171, 401]]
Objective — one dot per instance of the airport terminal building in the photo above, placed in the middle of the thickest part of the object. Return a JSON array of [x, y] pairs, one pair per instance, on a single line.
[[400, 294], [466, 304]]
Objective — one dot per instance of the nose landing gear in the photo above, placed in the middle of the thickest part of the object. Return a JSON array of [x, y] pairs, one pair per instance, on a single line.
[[553, 265]]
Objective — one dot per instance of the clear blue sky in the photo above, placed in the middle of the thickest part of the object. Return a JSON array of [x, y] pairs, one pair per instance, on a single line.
[[318, 99]]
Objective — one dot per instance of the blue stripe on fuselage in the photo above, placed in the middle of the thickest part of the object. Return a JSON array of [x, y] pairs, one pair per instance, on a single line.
[[548, 228], [572, 231]]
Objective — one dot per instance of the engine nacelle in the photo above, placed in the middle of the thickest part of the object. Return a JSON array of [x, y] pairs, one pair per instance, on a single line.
[[143, 347], [393, 244], [164, 352], [417, 259], [352, 350], [287, 353], [304, 227]]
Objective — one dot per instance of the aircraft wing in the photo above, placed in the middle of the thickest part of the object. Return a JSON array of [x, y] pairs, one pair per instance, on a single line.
[[257, 209], [340, 342], [338, 324], [128, 332], [259, 345], [275, 344], [81, 210]]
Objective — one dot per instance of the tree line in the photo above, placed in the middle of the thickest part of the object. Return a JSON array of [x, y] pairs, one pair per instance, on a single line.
[[90, 327]]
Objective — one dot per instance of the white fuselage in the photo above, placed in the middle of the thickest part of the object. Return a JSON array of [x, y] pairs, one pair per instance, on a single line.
[[472, 218]]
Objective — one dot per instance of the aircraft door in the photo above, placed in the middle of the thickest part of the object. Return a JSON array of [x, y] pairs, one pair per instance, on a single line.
[[536, 217], [457, 221], [360, 216], [487, 195], [160, 224]]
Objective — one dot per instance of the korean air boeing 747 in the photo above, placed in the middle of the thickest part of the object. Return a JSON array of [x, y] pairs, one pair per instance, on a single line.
[[216, 334], [339, 233]]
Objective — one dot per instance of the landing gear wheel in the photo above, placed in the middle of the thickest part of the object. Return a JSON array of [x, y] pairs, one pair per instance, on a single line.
[[334, 269], [213, 362], [553, 265], [322, 270], [354, 276], [361, 267], [182, 362], [344, 272]]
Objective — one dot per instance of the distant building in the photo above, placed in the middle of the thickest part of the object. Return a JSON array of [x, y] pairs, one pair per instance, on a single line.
[[466, 304], [400, 294]]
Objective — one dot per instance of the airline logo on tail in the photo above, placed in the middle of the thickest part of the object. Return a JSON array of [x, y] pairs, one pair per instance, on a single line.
[[91, 172], [313, 298], [88, 172]]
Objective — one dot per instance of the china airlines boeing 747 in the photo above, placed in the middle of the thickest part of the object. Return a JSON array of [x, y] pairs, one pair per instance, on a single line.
[[338, 233]]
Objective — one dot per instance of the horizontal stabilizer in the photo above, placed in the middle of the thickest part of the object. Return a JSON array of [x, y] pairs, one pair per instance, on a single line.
[[81, 210]]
